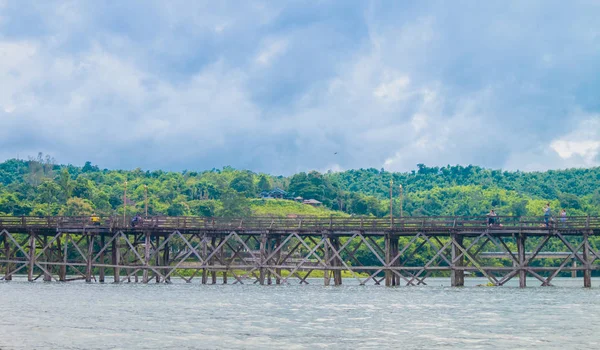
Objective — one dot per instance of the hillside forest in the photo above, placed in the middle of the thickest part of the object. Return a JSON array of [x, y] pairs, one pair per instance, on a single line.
[[39, 186]]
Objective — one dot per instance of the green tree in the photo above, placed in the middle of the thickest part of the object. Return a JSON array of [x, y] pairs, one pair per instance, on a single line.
[[244, 183], [66, 184], [77, 207], [264, 184], [234, 204]]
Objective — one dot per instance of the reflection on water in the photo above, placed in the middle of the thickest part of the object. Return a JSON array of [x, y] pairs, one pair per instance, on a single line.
[[193, 316]]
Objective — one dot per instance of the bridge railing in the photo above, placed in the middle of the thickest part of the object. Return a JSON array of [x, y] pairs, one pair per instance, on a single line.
[[305, 222]]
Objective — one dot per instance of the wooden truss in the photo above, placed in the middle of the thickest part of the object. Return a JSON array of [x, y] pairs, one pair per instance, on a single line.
[[265, 257]]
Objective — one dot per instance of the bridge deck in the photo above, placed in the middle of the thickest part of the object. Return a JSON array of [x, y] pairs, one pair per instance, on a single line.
[[307, 225]]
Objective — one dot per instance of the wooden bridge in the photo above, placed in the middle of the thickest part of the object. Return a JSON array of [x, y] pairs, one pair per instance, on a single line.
[[266, 250]]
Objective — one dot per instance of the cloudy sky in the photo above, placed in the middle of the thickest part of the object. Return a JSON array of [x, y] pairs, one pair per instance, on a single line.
[[281, 86]]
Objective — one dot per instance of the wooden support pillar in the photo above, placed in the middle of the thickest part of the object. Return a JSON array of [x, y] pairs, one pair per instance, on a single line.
[[101, 257], [147, 244], [90, 256], [166, 260], [337, 273], [157, 257], [263, 258], [587, 273], [223, 259], [116, 257], [521, 254], [326, 256], [388, 258], [62, 271], [395, 277], [457, 276], [213, 272], [129, 271], [205, 255], [32, 248], [278, 259], [269, 251], [48, 258], [8, 254], [574, 266]]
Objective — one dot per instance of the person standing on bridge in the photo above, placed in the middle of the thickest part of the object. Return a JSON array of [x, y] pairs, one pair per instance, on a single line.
[[563, 217], [547, 214], [95, 219], [492, 218]]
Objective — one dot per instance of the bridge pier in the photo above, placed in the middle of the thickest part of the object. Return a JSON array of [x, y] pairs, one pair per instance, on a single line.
[[388, 259], [157, 261], [457, 276], [32, 248], [8, 255], [147, 244], [326, 257], [391, 251], [278, 259], [263, 258], [395, 262], [204, 253], [115, 261], [213, 273], [48, 257], [336, 263], [62, 253], [521, 256], [89, 257], [587, 273], [165, 257], [101, 271]]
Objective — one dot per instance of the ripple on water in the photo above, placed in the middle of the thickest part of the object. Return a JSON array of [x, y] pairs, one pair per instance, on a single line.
[[191, 316]]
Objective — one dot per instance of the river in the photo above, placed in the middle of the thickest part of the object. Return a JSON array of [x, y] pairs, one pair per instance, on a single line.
[[191, 316]]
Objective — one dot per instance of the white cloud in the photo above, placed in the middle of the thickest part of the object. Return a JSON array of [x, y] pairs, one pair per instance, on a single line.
[[419, 122], [581, 145], [392, 90], [191, 85], [271, 50]]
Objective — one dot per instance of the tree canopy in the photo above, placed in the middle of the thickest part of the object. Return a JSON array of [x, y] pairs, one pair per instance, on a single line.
[[38, 186]]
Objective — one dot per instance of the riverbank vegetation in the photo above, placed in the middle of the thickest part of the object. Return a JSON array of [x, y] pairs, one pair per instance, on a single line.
[[38, 186]]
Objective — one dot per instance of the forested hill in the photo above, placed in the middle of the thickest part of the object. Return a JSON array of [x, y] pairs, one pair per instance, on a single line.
[[40, 187]]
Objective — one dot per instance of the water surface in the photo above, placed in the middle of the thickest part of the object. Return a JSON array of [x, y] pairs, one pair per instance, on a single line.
[[192, 316]]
